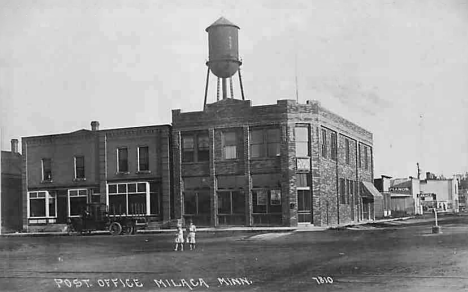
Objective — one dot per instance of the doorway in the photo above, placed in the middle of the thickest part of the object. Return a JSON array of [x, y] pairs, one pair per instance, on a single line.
[[304, 206]]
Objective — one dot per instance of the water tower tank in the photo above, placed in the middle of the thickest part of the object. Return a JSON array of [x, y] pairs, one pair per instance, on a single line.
[[223, 48]]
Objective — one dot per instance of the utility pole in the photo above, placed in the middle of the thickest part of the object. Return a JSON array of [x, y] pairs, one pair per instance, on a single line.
[[419, 171]]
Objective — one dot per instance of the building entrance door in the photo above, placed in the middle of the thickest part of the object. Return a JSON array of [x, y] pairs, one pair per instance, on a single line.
[[366, 210], [62, 207], [304, 206]]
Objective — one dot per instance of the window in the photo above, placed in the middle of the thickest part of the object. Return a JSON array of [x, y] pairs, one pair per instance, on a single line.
[[46, 169], [79, 167], [347, 151], [348, 191], [131, 198], [359, 158], [264, 143], [143, 158], [231, 202], [273, 142], [77, 200], [342, 191], [303, 200], [302, 141], [122, 158], [203, 147], [303, 180], [334, 146], [41, 204], [324, 143], [195, 147], [188, 149], [196, 203], [266, 201], [229, 145], [366, 158]]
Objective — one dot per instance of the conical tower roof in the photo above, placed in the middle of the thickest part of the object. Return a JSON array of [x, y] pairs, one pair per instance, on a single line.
[[222, 22]]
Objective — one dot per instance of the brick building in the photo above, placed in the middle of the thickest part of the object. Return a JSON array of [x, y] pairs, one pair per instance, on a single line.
[[11, 189], [279, 164], [128, 169]]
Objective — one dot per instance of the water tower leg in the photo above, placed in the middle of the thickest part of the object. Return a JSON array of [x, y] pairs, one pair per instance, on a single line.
[[240, 81], [217, 91], [206, 86], [232, 90], [224, 88]]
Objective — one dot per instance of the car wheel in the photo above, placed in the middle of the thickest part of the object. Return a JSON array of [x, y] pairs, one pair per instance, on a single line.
[[115, 228]]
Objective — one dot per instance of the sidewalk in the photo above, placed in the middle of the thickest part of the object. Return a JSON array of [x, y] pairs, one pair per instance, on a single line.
[[300, 228]]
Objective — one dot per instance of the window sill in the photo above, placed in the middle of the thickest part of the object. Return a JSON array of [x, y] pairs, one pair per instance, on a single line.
[[229, 160], [143, 172], [264, 158], [79, 179], [47, 181], [194, 162], [122, 173]]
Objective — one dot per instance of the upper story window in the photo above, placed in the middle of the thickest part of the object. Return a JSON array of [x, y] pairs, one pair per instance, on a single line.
[[195, 147], [122, 160], [302, 141], [343, 191], [203, 147], [79, 167], [264, 143], [360, 156], [46, 169], [229, 145], [143, 158], [334, 146], [324, 143], [188, 149], [347, 154], [366, 158]]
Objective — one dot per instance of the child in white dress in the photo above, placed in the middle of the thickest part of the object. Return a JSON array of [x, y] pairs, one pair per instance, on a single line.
[[191, 235], [179, 239]]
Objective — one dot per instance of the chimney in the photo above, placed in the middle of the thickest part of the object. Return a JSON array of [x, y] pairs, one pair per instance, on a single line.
[[14, 145], [94, 126]]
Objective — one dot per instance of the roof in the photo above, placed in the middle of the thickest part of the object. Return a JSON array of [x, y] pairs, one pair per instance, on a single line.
[[406, 184], [369, 191], [221, 22]]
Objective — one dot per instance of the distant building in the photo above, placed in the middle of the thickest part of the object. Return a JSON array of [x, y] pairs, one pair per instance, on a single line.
[[439, 193], [128, 169], [11, 171], [401, 195], [463, 193]]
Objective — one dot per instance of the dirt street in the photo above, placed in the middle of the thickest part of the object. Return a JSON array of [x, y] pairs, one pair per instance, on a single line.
[[385, 257]]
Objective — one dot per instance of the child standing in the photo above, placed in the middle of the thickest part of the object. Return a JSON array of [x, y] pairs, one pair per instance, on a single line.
[[191, 235], [179, 240]]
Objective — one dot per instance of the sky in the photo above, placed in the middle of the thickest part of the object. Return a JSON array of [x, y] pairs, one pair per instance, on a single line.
[[396, 68]]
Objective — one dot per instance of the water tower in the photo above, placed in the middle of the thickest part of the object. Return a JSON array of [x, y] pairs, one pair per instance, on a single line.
[[223, 60]]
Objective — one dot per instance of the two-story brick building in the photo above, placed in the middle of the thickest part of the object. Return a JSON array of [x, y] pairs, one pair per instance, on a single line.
[[280, 164], [128, 169]]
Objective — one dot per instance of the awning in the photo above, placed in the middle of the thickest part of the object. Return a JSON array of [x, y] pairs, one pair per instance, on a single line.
[[369, 191]]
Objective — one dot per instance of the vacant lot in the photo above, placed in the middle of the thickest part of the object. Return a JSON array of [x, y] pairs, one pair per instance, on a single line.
[[397, 257]]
